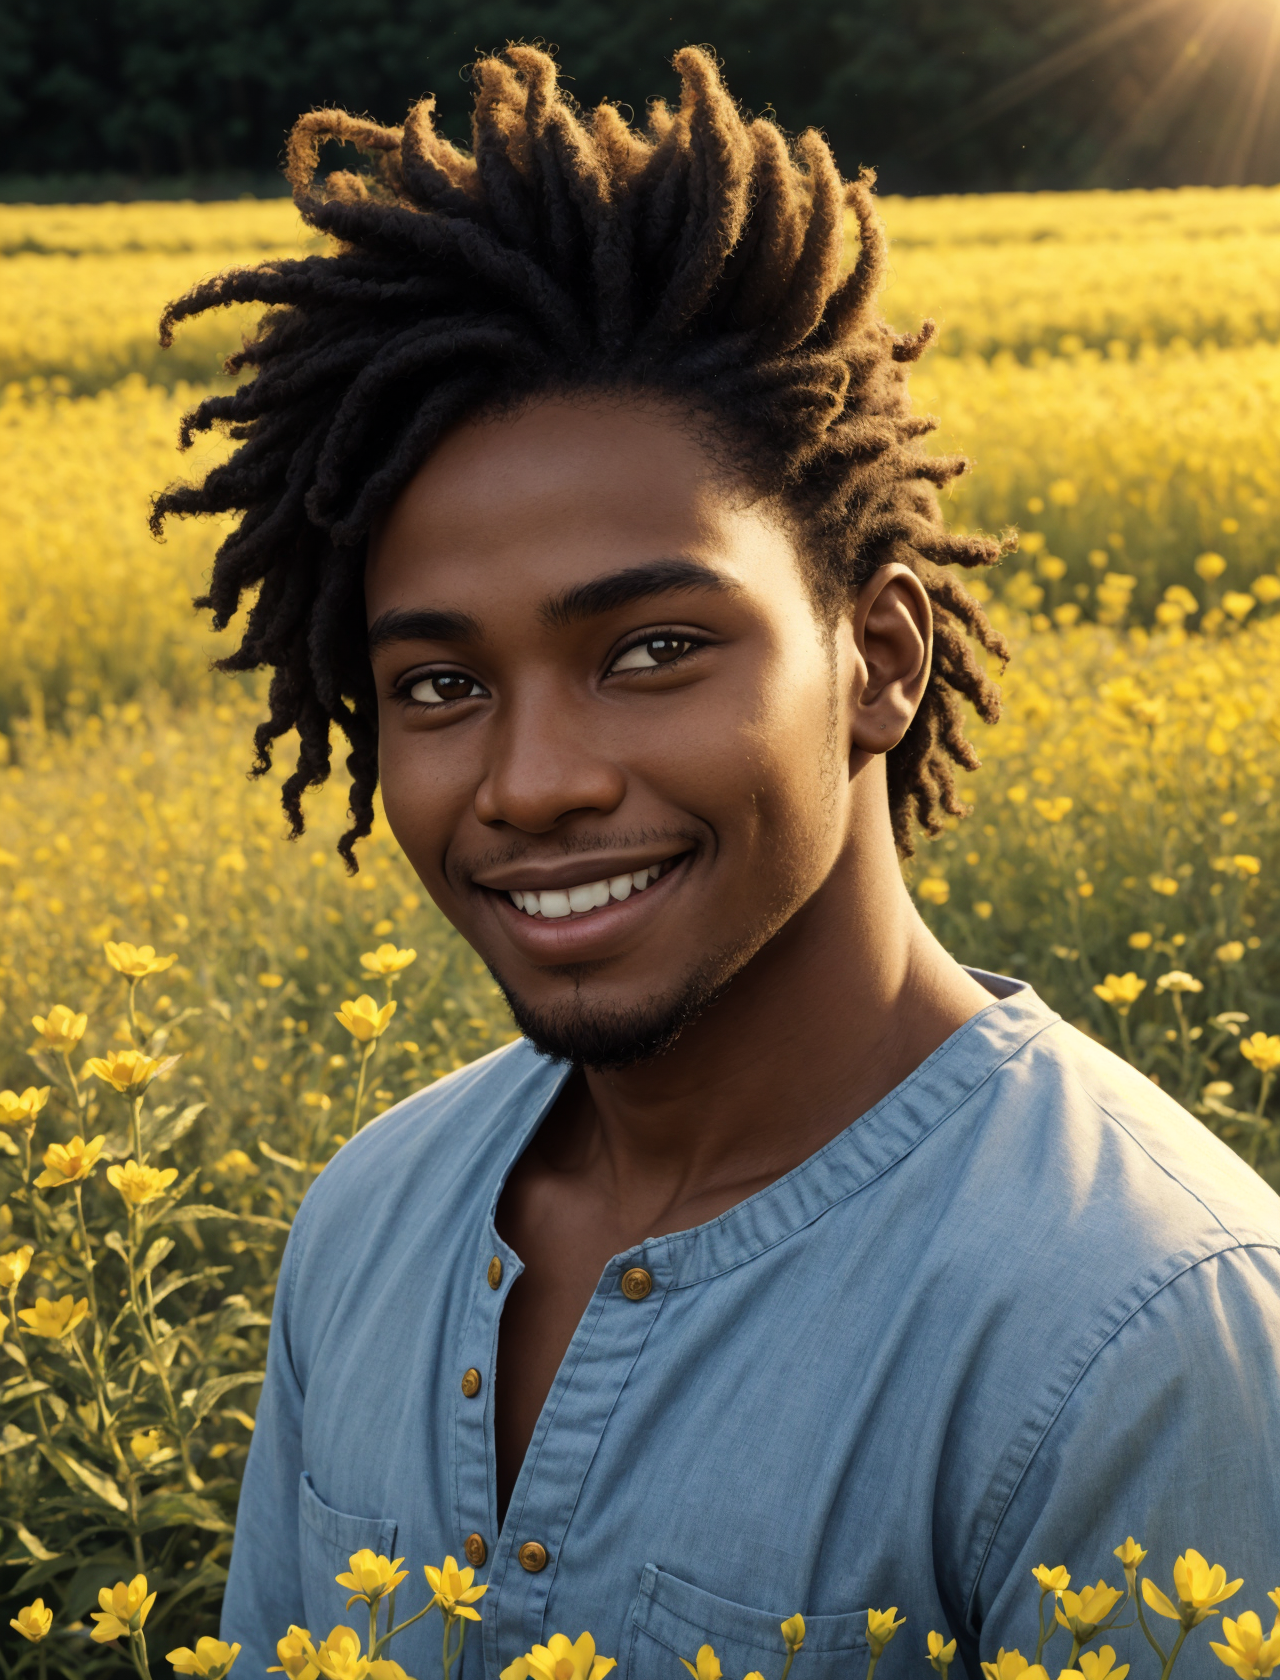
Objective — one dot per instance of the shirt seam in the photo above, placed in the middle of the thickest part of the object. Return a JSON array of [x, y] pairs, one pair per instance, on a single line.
[[699, 1232], [1236, 1247], [1172, 1176]]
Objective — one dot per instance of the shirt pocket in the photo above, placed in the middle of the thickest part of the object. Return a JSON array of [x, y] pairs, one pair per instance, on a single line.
[[326, 1540], [671, 1619]]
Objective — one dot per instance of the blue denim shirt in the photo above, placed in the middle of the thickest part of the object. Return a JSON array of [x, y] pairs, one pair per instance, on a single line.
[[1022, 1308]]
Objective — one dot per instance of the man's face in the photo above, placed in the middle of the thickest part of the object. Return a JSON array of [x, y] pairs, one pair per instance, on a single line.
[[611, 724]]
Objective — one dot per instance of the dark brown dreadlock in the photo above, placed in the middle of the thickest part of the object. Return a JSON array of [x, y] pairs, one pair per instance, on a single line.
[[700, 259]]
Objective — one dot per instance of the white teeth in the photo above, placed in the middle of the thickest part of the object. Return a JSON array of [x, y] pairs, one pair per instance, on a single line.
[[592, 895]]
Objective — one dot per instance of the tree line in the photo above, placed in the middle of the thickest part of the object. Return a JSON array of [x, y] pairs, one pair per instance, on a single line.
[[941, 95]]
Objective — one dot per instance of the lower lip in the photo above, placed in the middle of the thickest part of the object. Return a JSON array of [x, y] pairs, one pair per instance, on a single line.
[[595, 934]]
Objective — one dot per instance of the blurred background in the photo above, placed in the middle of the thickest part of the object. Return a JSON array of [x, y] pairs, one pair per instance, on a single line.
[[140, 96]]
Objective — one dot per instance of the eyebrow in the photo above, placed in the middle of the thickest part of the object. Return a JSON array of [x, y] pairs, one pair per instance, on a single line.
[[633, 583], [571, 606]]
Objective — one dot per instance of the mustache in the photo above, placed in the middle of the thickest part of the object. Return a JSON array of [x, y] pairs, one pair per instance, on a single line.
[[575, 845]]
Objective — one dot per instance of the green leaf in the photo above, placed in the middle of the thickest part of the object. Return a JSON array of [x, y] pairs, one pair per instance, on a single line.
[[283, 1160], [12, 1439], [201, 1210], [211, 1392], [166, 1510], [166, 1132], [94, 1480], [179, 1280], [116, 1243], [34, 1546], [159, 1250], [21, 1390]]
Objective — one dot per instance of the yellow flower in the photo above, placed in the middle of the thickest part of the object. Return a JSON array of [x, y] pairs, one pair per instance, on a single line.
[[1053, 810], [271, 981], [235, 1164], [1262, 1050], [18, 1112], [1167, 885], [793, 1632], [1231, 952], [123, 1610], [127, 1071], [136, 961], [1246, 1651], [1051, 1580], [1238, 604], [1210, 566], [1178, 980], [69, 1163], [1245, 864], [942, 1653], [1199, 1587], [13, 1266], [1100, 1665], [211, 1658], [881, 1628], [371, 1577], [139, 1185], [295, 1654], [1009, 1665], [1131, 1555], [145, 1444], [1121, 990], [339, 1658], [933, 890], [1084, 1612], [705, 1667], [1139, 941], [363, 1019], [453, 1590], [62, 1029], [387, 960], [33, 1621], [54, 1319], [561, 1659]]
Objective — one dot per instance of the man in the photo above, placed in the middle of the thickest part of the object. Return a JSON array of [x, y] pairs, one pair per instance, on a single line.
[[784, 1264]]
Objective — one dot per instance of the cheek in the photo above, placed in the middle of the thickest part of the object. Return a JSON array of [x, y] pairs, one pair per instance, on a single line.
[[420, 800]]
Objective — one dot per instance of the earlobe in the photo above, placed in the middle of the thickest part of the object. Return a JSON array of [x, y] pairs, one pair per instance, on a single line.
[[893, 635]]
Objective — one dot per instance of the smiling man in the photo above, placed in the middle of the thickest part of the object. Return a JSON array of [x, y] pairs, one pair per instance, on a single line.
[[783, 1263]]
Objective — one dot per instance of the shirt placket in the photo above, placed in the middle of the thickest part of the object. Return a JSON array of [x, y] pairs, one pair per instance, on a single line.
[[520, 1562]]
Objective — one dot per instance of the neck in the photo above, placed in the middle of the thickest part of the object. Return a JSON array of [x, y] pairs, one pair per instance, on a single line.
[[834, 1012]]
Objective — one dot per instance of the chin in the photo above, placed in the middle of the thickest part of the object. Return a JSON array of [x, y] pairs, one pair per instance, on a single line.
[[606, 1035]]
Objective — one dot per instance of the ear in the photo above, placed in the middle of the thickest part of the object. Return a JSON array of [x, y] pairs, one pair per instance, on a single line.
[[893, 634]]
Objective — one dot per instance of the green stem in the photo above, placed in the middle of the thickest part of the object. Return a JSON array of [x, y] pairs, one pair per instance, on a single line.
[[138, 1650], [369, 1048], [75, 1083], [1044, 1632], [1124, 1037], [1154, 1643], [88, 1263], [133, 1016], [136, 1106], [1173, 1655], [373, 1623], [871, 1667], [786, 1667], [1075, 1650], [391, 1632], [184, 1448]]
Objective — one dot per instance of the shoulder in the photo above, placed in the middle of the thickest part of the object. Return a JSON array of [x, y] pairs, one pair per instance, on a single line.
[[1114, 1131], [463, 1128]]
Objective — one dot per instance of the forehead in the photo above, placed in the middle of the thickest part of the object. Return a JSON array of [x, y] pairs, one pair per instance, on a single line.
[[565, 486]]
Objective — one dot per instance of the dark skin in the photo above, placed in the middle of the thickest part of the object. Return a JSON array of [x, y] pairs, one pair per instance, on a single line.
[[688, 713]]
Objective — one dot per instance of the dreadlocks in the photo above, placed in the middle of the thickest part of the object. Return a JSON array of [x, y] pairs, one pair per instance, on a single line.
[[699, 259]]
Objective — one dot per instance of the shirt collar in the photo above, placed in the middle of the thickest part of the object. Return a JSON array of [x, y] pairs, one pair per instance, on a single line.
[[868, 1147]]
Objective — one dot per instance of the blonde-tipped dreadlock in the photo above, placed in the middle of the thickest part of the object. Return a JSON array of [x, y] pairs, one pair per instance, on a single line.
[[700, 258]]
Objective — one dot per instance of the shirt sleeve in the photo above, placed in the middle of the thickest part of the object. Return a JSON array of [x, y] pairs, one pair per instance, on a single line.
[[264, 1585], [1171, 1435]]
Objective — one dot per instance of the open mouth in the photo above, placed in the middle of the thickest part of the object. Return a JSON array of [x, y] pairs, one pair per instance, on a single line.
[[562, 902]]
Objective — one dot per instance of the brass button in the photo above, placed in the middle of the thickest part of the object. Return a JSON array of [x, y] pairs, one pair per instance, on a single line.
[[636, 1283], [471, 1383], [533, 1556], [474, 1550], [495, 1272]]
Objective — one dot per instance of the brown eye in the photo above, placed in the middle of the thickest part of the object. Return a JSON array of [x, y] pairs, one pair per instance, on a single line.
[[443, 686], [658, 650]]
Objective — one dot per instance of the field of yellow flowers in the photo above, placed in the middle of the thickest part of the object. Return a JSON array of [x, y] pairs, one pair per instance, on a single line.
[[1111, 364]]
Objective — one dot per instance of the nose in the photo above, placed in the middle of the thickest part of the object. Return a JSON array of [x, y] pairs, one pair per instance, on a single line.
[[544, 764]]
